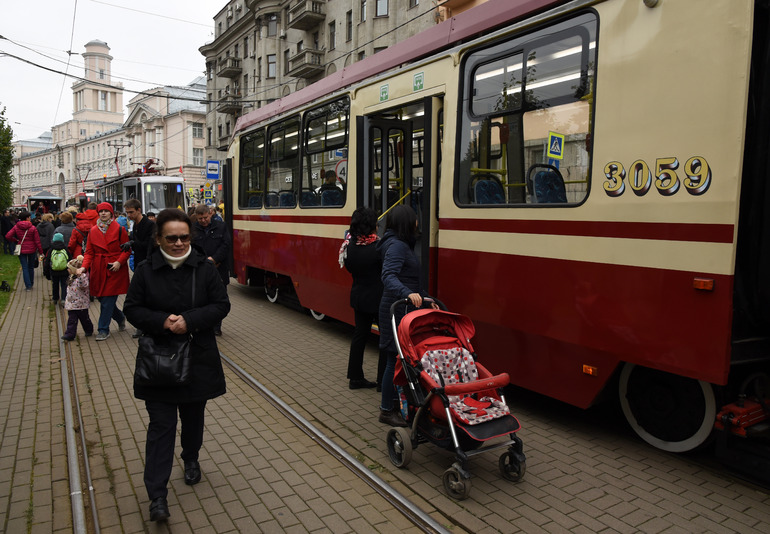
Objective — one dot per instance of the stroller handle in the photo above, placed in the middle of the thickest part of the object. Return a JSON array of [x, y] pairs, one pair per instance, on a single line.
[[408, 302]]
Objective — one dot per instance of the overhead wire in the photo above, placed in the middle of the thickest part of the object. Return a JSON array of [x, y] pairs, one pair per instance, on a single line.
[[69, 57]]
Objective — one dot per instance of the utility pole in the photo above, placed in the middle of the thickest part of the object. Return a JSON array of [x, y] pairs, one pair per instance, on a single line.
[[118, 145]]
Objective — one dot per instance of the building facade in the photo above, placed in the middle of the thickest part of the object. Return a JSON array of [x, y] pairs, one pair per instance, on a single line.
[[164, 123], [266, 49]]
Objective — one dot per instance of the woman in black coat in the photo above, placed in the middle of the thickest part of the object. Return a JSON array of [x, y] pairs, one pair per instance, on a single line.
[[401, 280], [363, 261], [160, 300]]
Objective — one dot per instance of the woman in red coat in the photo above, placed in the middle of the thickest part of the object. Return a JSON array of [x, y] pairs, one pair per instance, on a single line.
[[109, 268]]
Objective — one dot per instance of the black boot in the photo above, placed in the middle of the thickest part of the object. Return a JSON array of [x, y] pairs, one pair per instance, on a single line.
[[192, 473], [392, 417], [159, 510]]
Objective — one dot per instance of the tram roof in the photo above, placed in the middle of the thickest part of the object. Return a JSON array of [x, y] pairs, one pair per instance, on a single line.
[[466, 25]]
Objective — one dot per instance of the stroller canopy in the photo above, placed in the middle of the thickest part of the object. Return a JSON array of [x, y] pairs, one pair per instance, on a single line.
[[424, 324]]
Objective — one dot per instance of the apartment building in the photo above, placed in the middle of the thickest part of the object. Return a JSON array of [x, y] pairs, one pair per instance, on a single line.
[[266, 49]]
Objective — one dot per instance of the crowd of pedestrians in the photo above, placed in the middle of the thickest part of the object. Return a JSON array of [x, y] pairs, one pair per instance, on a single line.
[[178, 288]]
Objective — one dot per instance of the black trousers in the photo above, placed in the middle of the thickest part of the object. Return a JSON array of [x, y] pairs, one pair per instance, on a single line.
[[361, 334], [161, 436]]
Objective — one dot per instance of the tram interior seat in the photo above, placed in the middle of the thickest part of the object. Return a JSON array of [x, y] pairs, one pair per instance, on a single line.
[[332, 197], [546, 185], [308, 198], [272, 199], [487, 189], [287, 199], [255, 201]]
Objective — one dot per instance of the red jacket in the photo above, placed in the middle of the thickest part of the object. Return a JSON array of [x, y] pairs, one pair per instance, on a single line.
[[31, 243], [101, 249], [83, 224]]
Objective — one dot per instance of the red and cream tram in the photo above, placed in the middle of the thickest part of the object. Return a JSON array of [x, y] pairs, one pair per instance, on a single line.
[[590, 183]]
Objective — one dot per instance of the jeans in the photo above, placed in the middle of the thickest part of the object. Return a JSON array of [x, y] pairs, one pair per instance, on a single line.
[[161, 436], [28, 269], [388, 389], [109, 311]]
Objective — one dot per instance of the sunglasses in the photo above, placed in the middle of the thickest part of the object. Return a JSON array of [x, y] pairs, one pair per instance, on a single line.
[[184, 238]]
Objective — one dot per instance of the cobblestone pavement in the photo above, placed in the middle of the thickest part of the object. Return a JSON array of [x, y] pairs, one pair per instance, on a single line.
[[262, 474]]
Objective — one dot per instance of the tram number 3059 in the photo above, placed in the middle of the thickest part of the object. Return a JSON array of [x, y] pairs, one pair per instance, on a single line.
[[667, 181]]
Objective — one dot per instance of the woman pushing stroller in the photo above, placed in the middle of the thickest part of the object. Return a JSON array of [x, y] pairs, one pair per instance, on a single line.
[[400, 279]]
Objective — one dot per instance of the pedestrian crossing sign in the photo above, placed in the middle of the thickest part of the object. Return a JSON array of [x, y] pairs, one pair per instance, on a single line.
[[555, 145]]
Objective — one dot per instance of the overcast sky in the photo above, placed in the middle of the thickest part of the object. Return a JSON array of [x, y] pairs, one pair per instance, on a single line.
[[152, 43]]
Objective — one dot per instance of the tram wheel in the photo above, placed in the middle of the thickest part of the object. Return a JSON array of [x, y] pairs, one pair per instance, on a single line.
[[455, 485], [511, 468], [271, 287], [670, 412], [399, 446], [317, 315]]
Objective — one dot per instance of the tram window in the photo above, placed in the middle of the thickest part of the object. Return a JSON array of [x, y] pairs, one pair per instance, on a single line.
[[251, 189], [283, 164], [525, 125], [324, 179]]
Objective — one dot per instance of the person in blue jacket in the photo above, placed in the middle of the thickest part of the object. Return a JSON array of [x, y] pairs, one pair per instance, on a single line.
[[400, 280]]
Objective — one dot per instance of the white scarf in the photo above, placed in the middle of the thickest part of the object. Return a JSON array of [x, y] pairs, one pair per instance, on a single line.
[[176, 261]]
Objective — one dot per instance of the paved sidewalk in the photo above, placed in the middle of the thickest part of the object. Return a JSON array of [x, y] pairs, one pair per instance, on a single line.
[[262, 474]]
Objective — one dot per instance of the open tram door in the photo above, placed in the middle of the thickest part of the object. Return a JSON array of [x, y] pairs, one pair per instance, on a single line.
[[395, 166]]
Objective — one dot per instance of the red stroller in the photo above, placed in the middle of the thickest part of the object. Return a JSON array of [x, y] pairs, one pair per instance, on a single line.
[[451, 399]]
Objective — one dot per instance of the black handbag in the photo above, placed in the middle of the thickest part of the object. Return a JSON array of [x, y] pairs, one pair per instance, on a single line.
[[165, 359]]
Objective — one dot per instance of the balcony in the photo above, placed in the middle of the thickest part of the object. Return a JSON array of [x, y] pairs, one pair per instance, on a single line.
[[307, 14], [230, 68], [230, 103], [306, 64]]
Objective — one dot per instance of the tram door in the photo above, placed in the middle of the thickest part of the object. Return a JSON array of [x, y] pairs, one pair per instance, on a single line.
[[393, 170]]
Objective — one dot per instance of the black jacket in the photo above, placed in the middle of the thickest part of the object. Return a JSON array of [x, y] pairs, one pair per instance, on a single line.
[[365, 265], [214, 241], [47, 271], [400, 277], [156, 291], [141, 235]]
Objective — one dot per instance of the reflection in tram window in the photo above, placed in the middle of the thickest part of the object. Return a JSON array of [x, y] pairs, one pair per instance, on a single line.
[[326, 147], [251, 174], [525, 127]]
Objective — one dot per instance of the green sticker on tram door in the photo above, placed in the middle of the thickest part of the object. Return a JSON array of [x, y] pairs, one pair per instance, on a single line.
[[383, 93], [419, 82]]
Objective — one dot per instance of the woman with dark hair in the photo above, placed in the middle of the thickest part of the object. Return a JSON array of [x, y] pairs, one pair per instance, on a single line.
[[401, 280], [360, 256], [161, 300], [24, 232]]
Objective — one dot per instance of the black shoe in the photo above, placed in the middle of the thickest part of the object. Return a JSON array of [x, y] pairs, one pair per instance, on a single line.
[[65, 338], [192, 473], [392, 418], [361, 383], [159, 510]]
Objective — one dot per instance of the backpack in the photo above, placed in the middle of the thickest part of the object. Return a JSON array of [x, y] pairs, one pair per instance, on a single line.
[[59, 259]]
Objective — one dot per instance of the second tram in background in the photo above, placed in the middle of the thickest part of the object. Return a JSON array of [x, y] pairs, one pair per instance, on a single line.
[[153, 189], [589, 178]]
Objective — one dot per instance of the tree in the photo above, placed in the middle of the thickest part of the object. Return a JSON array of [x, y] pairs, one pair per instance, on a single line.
[[6, 162]]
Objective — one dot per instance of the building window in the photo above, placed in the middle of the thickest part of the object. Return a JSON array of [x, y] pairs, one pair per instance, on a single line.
[[198, 157], [361, 55], [271, 65], [363, 10], [246, 46], [102, 100], [382, 8], [237, 50], [101, 74], [349, 26], [413, 3], [272, 25], [245, 84], [210, 132], [197, 130], [259, 71], [316, 41], [286, 61], [332, 35]]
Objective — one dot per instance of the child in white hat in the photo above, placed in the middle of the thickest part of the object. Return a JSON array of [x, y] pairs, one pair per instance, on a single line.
[[77, 301]]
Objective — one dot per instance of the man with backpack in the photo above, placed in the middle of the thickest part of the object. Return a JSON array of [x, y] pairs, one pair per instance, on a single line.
[[55, 268]]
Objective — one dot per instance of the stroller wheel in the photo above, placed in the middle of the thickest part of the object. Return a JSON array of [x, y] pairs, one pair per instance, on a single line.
[[511, 467], [455, 484], [399, 446]]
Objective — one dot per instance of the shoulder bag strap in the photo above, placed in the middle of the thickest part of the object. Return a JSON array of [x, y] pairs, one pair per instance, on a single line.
[[23, 238]]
